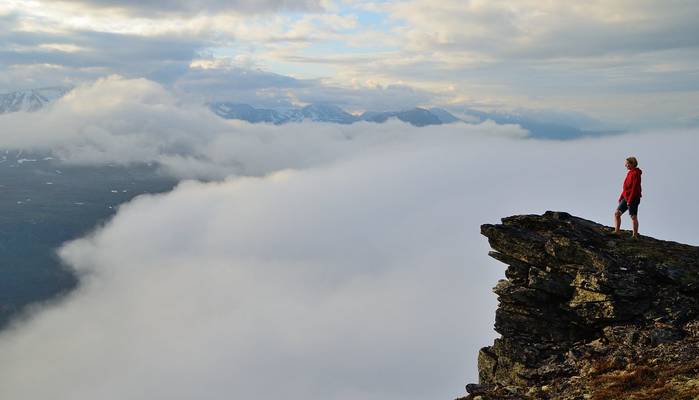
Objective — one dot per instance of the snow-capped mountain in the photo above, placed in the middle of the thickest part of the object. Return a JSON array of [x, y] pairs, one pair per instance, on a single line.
[[543, 128], [245, 112], [313, 112], [415, 116], [445, 116], [30, 100], [328, 113]]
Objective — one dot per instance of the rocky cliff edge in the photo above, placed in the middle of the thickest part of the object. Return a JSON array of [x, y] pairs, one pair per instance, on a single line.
[[587, 314]]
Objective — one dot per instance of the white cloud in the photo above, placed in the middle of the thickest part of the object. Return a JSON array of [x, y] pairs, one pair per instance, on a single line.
[[332, 283], [533, 29], [360, 275]]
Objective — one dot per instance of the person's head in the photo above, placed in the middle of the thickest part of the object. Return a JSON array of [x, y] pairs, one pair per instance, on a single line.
[[631, 162]]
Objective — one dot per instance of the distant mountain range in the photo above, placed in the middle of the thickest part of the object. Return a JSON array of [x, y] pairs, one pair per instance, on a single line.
[[35, 99], [416, 116], [30, 100], [327, 113]]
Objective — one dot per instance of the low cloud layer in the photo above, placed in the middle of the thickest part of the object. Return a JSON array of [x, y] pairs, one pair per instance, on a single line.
[[353, 269]]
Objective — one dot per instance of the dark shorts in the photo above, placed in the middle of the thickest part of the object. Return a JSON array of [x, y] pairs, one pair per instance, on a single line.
[[633, 208]]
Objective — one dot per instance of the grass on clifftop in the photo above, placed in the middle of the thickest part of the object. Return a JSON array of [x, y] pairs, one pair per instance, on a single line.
[[644, 382]]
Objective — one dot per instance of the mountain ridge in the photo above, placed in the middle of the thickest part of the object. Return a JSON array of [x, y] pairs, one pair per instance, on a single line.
[[417, 116], [327, 113]]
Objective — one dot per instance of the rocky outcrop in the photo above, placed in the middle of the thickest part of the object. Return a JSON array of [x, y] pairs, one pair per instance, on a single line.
[[587, 314]]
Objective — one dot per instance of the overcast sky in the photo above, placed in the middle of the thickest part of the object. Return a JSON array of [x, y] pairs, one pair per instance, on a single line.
[[631, 62]]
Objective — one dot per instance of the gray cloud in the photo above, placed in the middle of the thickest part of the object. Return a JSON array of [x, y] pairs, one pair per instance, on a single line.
[[154, 8], [261, 88], [240, 84], [533, 30], [118, 52]]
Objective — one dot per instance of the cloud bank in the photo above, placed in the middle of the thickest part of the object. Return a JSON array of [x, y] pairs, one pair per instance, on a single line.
[[351, 267]]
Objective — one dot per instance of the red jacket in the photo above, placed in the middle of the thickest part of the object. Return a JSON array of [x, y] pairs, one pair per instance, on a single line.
[[631, 190]]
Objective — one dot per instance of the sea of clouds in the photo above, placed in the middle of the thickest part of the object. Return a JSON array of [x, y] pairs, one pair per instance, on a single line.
[[324, 261]]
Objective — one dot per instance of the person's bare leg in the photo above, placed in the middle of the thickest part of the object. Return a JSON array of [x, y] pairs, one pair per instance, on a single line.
[[617, 221], [634, 219]]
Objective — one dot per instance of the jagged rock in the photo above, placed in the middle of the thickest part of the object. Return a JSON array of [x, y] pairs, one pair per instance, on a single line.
[[476, 389], [587, 314]]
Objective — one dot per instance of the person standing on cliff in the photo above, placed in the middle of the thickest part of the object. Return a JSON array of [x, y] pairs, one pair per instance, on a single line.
[[630, 196]]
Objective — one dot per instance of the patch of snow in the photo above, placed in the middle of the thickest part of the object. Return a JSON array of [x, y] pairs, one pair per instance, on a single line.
[[30, 100]]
